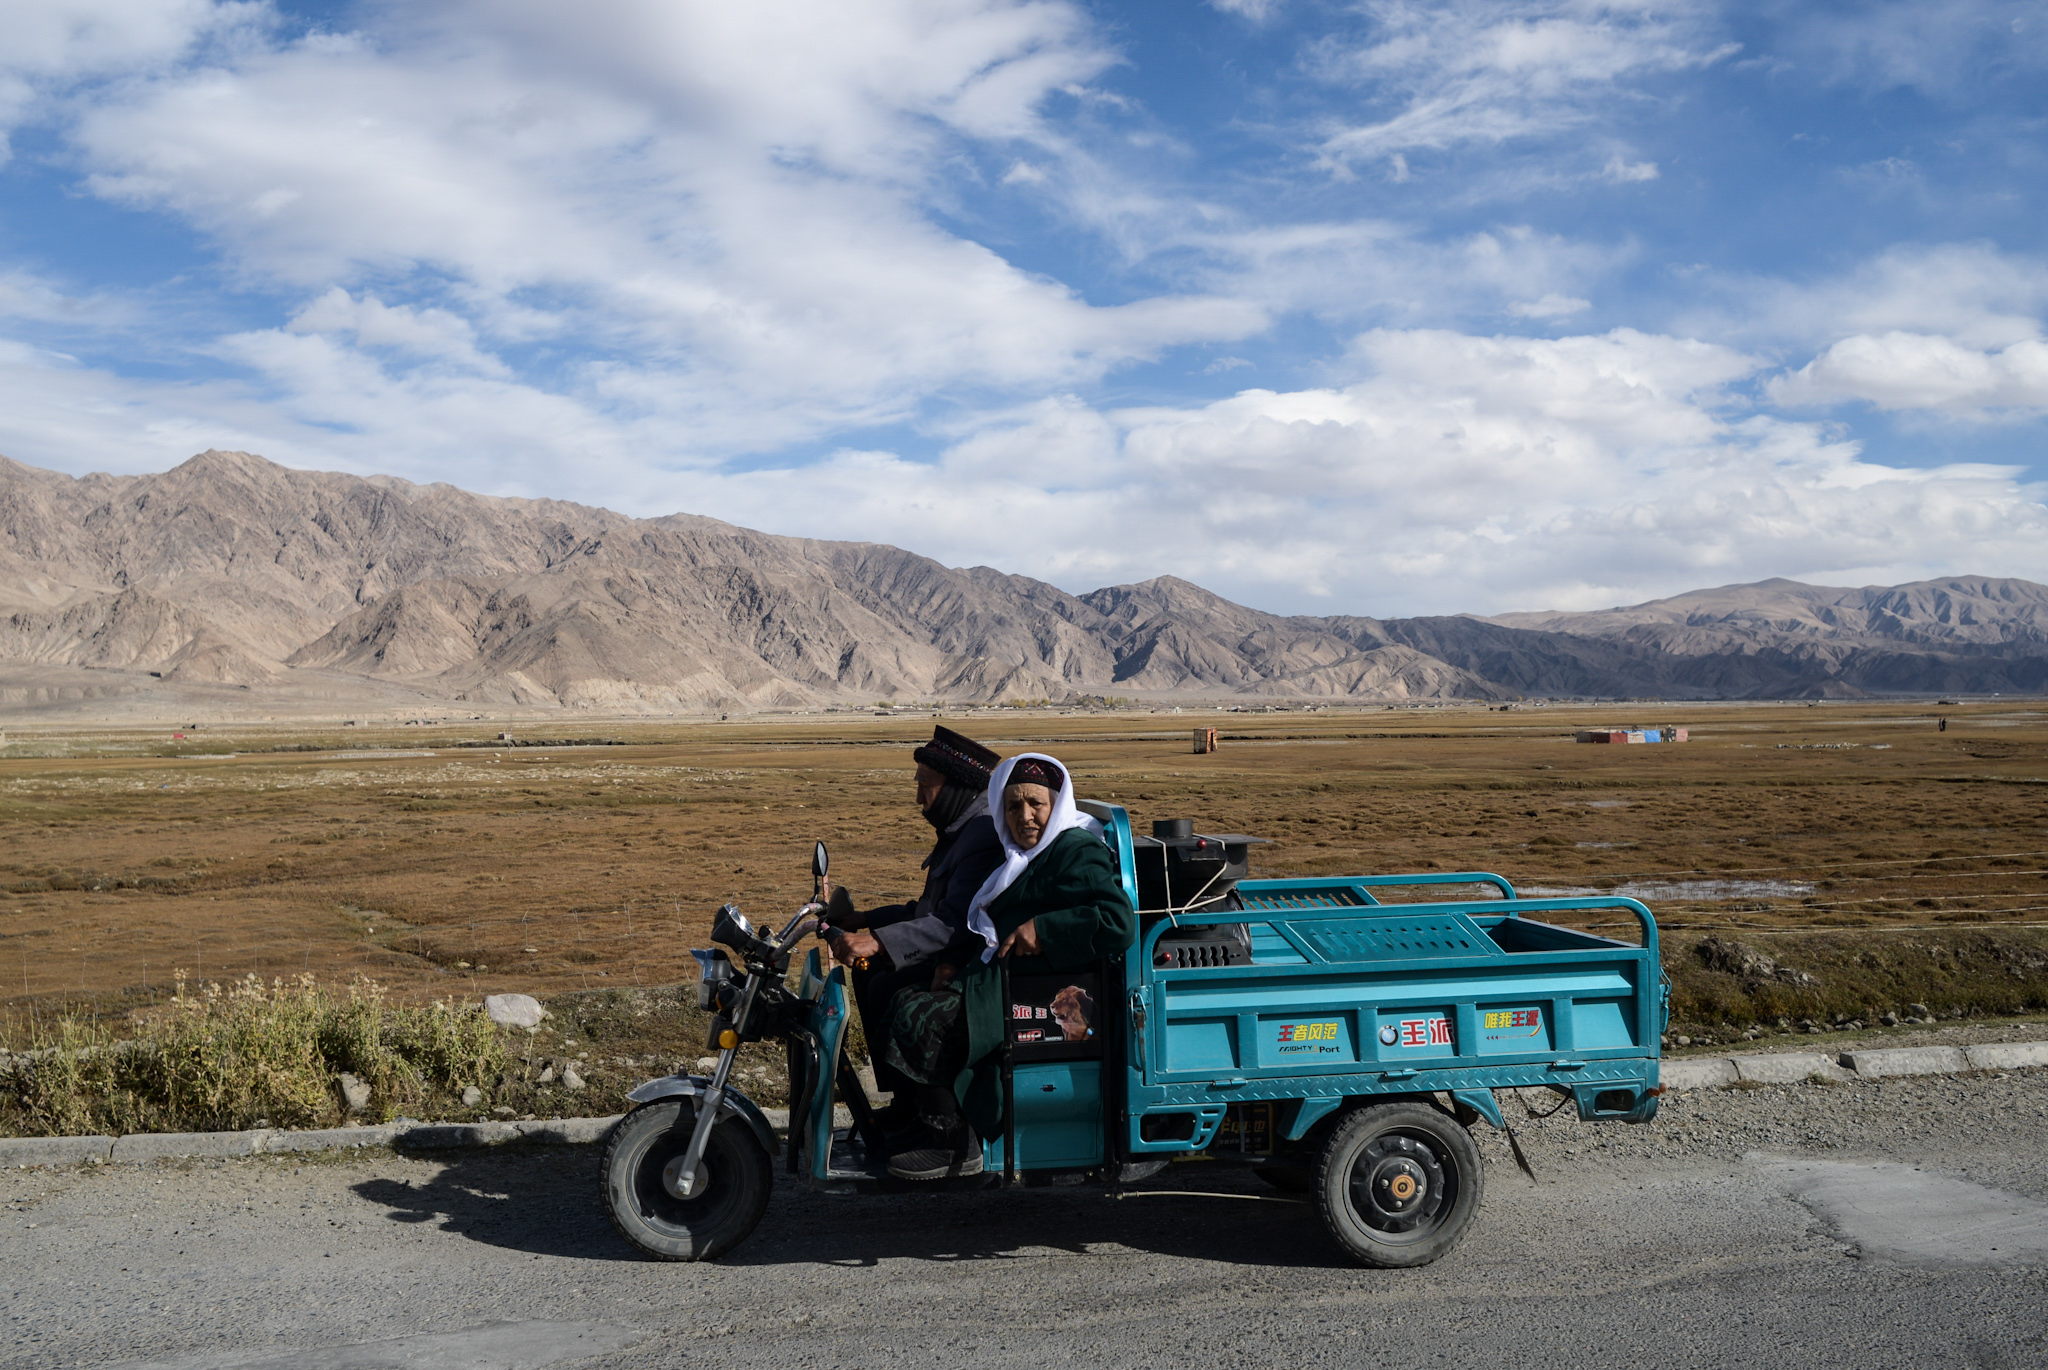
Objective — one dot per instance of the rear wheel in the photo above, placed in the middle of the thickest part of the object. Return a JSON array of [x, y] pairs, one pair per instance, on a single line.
[[641, 1194], [1398, 1184]]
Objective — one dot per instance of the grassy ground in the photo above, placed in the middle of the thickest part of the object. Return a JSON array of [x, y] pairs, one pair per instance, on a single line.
[[1855, 843]]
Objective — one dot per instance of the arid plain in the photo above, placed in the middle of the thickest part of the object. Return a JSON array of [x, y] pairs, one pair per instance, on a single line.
[[443, 861]]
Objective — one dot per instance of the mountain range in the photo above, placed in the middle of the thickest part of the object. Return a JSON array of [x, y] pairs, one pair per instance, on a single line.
[[232, 572]]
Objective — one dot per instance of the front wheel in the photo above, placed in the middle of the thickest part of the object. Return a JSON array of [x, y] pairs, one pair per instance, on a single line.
[[1398, 1184], [640, 1194]]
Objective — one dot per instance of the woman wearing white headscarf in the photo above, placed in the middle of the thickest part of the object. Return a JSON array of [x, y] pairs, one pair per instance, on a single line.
[[1056, 903]]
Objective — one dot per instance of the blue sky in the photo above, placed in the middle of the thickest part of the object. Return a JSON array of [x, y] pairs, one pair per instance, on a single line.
[[1333, 308]]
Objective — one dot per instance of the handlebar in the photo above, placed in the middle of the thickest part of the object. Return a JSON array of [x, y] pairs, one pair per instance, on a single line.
[[792, 930]]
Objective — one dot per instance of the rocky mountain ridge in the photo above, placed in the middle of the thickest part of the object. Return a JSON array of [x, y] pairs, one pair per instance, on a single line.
[[230, 570]]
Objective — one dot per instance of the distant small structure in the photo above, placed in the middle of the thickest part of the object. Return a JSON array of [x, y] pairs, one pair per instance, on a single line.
[[1626, 735], [1205, 741]]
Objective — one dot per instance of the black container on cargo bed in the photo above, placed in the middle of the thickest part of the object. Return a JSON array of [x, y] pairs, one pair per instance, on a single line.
[[1183, 871]]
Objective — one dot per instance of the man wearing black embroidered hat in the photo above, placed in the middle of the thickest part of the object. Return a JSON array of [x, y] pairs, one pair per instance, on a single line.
[[897, 945]]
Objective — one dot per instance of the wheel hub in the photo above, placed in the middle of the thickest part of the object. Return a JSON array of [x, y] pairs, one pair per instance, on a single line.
[[672, 1178], [1397, 1184]]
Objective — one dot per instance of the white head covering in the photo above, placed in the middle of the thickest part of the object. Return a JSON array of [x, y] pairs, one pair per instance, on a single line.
[[1015, 858]]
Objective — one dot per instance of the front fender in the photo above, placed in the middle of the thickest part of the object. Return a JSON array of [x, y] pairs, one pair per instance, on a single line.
[[735, 1103]]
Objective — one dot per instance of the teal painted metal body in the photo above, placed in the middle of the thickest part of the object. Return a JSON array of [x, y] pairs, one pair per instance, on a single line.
[[1345, 999]]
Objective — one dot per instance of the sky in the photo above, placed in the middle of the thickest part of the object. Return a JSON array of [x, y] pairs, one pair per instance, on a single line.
[[1376, 308]]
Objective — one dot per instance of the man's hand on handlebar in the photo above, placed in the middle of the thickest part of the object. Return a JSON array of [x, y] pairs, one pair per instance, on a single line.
[[851, 947]]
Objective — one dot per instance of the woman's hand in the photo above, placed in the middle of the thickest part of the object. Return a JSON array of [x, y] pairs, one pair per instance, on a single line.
[[942, 976], [1024, 940]]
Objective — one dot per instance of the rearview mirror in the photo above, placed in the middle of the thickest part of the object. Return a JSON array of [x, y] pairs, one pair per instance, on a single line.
[[821, 861]]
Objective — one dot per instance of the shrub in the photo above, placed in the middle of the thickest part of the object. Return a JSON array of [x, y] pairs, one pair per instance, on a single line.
[[246, 1055]]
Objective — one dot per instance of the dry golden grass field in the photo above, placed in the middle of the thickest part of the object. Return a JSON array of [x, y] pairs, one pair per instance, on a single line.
[[443, 862]]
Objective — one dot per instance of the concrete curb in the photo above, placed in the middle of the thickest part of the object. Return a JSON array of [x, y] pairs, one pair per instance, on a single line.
[[2009, 1056], [404, 1134], [53, 1151], [1713, 1072], [1797, 1067], [1787, 1068], [1907, 1061]]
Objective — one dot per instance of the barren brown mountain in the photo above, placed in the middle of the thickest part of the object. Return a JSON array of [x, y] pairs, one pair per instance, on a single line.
[[233, 572]]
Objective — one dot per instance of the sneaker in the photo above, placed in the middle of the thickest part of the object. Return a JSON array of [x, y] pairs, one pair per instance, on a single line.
[[937, 1160]]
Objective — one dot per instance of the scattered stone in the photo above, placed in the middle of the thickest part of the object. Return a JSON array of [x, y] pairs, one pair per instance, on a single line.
[[570, 1079], [547, 1076], [1746, 962], [706, 1064], [504, 1110], [1890, 1020], [472, 1096], [355, 1094], [515, 1010], [1921, 1011], [1684, 1041]]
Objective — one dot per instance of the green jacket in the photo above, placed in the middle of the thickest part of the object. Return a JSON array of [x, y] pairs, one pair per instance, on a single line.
[[1076, 893]]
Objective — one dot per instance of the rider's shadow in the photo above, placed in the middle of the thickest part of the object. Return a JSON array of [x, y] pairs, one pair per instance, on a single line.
[[542, 1201], [1229, 1221]]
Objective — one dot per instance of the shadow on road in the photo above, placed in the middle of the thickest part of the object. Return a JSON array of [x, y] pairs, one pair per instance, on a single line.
[[546, 1203]]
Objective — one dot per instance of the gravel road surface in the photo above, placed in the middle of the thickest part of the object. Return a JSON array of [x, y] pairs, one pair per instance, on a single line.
[[1865, 1224]]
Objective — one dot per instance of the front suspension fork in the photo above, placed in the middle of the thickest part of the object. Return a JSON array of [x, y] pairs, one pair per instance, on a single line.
[[712, 1101]]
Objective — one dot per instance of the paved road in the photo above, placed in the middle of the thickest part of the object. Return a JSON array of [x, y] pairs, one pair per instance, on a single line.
[[1865, 1225]]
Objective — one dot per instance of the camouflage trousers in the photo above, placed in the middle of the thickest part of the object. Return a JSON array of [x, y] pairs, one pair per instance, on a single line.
[[927, 1035]]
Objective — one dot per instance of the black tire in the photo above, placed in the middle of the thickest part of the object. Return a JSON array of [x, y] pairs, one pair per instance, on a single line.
[[1287, 1177], [1398, 1184], [735, 1195]]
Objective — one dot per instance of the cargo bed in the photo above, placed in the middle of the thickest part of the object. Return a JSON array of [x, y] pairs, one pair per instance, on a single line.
[[1344, 997]]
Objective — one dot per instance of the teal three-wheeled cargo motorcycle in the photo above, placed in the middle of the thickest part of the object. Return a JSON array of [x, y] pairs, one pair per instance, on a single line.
[[1340, 1042]]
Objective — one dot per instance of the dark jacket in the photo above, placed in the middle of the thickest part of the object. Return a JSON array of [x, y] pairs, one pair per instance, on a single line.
[[958, 866], [1077, 895]]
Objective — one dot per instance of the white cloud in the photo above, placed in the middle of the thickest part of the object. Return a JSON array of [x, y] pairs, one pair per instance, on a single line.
[[1459, 473], [1622, 172], [1899, 370], [1258, 11], [724, 210], [431, 333], [1976, 294], [1940, 47], [1457, 74], [48, 45], [1550, 307]]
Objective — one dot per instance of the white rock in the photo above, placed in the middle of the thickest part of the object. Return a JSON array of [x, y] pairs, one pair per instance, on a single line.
[[472, 1096], [547, 1076], [355, 1093], [570, 1079], [515, 1010]]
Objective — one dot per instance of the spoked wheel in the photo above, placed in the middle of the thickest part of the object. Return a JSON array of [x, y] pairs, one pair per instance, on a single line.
[[1398, 1184], [646, 1203]]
